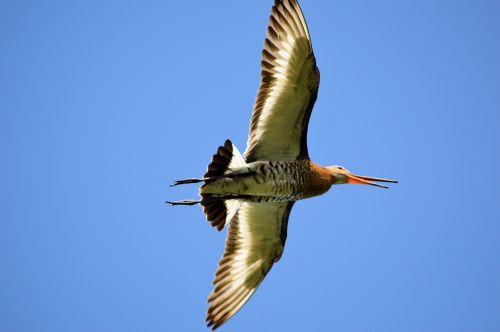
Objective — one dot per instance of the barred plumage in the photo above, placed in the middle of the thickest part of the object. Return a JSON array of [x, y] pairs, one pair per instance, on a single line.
[[274, 180]]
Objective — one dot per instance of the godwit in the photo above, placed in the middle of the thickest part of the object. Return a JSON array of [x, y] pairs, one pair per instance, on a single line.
[[254, 193]]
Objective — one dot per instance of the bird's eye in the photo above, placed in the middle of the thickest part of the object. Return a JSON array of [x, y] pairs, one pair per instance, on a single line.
[[340, 167]]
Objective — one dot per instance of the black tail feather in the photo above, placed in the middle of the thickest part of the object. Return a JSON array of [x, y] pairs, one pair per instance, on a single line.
[[220, 160]]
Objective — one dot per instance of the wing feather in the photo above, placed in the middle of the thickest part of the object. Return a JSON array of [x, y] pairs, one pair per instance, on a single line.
[[288, 88], [256, 238]]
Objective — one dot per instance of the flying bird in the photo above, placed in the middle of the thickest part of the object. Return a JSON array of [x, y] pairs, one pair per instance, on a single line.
[[254, 193]]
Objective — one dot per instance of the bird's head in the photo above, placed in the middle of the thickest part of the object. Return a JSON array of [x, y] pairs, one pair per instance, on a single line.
[[340, 175]]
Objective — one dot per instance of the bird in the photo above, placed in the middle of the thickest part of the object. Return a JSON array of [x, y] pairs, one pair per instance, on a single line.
[[253, 193]]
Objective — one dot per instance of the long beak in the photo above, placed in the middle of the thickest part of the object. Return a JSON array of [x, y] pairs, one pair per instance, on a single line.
[[360, 179]]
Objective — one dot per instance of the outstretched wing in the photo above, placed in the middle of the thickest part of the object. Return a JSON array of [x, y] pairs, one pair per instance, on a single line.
[[288, 88], [255, 240]]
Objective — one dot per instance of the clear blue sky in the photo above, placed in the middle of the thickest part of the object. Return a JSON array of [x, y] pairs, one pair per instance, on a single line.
[[104, 104]]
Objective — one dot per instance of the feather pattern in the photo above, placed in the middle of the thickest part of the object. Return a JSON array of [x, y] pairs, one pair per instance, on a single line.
[[288, 88], [256, 238]]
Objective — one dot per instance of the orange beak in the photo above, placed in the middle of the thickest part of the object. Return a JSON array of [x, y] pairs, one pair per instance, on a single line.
[[360, 179]]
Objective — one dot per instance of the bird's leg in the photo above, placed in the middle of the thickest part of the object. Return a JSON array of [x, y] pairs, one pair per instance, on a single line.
[[245, 172], [197, 180], [186, 181], [184, 202]]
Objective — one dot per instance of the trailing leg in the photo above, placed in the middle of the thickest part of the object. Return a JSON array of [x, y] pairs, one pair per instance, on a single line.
[[184, 202]]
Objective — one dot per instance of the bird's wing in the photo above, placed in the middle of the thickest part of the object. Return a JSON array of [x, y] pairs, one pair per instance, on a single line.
[[288, 88], [255, 240]]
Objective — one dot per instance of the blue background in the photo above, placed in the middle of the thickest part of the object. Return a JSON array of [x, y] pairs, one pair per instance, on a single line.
[[104, 104]]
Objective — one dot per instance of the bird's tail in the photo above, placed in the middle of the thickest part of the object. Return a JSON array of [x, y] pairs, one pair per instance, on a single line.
[[227, 162], [224, 162]]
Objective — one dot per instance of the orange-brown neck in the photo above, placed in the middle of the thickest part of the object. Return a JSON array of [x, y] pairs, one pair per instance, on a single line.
[[320, 179]]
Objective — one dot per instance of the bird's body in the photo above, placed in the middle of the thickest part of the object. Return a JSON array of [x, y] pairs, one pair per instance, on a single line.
[[254, 193], [279, 181]]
